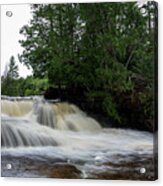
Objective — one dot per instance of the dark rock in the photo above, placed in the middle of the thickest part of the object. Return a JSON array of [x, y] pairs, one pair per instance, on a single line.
[[64, 171]]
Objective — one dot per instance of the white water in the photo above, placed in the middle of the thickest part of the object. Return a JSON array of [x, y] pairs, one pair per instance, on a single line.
[[62, 130]]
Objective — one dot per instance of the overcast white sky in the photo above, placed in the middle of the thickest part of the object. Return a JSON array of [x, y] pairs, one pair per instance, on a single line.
[[10, 27]]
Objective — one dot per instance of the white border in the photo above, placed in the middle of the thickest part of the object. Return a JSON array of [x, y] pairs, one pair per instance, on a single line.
[[65, 182]]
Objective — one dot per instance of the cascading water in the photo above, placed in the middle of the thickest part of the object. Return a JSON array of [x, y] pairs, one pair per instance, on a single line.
[[65, 116], [15, 108], [40, 132]]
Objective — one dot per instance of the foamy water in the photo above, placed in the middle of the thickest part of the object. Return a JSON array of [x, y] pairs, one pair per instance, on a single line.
[[61, 132]]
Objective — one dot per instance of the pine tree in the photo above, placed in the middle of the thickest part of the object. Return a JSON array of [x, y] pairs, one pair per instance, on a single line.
[[9, 79]]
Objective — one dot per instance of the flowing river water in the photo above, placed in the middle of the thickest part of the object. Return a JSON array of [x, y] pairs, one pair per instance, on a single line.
[[58, 140]]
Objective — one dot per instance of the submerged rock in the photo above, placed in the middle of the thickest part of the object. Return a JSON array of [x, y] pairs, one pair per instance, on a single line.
[[62, 170]]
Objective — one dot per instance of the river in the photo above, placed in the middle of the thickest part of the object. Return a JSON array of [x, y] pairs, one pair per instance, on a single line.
[[58, 140]]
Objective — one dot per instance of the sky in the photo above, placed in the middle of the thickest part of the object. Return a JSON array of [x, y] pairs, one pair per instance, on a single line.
[[10, 36]]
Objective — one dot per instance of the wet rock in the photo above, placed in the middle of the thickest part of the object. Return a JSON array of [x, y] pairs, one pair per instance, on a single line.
[[128, 170], [38, 167], [64, 171]]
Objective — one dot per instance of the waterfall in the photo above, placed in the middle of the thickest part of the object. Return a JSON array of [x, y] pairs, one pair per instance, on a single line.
[[16, 108], [15, 132], [36, 134], [30, 123], [39, 123], [65, 116], [62, 116]]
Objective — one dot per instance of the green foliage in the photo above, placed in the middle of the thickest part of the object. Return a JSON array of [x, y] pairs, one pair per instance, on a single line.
[[13, 69], [9, 79], [12, 85], [111, 108], [24, 87], [34, 86], [97, 46]]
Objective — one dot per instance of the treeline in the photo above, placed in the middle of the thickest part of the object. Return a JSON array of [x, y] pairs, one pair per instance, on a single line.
[[106, 50], [14, 85]]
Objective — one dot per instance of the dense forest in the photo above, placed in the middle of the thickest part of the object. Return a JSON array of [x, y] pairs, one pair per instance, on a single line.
[[101, 56]]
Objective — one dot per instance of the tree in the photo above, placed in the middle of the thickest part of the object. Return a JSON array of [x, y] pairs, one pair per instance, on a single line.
[[105, 48], [51, 44], [9, 79], [13, 69]]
